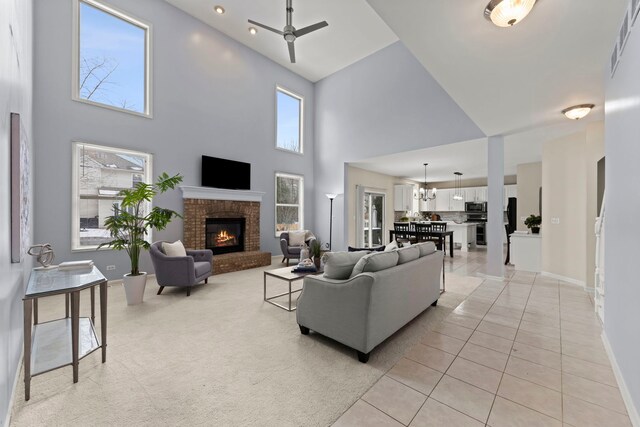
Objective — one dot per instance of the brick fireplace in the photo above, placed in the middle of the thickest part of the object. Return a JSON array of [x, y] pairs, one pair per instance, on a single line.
[[217, 206]]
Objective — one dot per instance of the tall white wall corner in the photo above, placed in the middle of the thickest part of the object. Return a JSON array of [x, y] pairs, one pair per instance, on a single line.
[[634, 415]]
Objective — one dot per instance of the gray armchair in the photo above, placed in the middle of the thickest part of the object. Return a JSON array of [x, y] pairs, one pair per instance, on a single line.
[[185, 271], [289, 252]]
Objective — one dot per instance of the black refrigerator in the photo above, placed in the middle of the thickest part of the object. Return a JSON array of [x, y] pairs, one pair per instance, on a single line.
[[512, 214]]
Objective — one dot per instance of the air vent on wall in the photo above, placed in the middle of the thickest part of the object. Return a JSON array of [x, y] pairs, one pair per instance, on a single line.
[[614, 60], [624, 33], [635, 8]]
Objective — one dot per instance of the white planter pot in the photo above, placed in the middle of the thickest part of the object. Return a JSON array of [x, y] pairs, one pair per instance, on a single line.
[[134, 287]]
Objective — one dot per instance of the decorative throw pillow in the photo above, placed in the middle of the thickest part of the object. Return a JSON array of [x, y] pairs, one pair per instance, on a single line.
[[375, 262], [426, 248], [406, 244], [391, 246], [408, 254], [296, 238], [338, 265], [174, 249]]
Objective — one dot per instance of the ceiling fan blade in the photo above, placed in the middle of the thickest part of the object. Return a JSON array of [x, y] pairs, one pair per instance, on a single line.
[[292, 52], [302, 31], [266, 27]]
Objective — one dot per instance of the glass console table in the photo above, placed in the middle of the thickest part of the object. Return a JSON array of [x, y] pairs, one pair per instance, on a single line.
[[62, 342]]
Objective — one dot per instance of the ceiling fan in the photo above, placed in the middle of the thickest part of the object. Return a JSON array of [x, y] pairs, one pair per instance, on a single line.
[[289, 31]]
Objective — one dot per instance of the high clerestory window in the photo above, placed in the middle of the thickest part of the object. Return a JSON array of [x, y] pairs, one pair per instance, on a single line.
[[111, 58], [289, 120]]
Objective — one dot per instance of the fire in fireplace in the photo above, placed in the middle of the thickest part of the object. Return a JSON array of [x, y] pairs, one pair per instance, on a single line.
[[225, 235]]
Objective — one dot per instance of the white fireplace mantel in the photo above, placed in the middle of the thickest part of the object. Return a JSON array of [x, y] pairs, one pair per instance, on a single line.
[[207, 193]]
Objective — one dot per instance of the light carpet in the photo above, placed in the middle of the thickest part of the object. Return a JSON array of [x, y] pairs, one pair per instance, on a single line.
[[219, 357]]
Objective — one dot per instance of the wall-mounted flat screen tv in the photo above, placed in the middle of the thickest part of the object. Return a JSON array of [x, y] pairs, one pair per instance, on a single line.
[[223, 173]]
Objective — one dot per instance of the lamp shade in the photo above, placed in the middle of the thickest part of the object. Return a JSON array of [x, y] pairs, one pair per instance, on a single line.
[[507, 13], [578, 112], [331, 196]]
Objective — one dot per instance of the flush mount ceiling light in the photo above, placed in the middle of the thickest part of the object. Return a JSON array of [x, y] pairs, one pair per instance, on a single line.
[[578, 112], [253, 31], [507, 13], [219, 9]]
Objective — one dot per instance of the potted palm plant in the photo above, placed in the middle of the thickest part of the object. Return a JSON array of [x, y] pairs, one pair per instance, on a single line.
[[533, 222], [130, 224], [315, 251]]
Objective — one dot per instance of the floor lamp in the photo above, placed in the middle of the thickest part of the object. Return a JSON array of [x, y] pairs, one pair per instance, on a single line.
[[330, 196]]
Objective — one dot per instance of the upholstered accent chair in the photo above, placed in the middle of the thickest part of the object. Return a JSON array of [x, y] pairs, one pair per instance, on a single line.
[[183, 271], [289, 252]]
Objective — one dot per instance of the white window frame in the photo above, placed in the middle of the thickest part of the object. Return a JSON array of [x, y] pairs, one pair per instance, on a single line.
[[75, 190], [300, 119], [300, 204], [75, 56]]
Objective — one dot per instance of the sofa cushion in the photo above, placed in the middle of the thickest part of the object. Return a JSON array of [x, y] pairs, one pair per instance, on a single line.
[[408, 254], [338, 265], [375, 262], [391, 246], [426, 248], [296, 238], [202, 268], [174, 249]]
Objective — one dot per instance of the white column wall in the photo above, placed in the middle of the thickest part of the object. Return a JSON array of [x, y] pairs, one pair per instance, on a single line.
[[495, 214]]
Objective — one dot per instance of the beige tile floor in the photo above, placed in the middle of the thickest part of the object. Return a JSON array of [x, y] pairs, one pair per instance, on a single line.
[[525, 351]]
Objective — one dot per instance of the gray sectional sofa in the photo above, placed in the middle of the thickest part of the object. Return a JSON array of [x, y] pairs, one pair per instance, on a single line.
[[362, 299]]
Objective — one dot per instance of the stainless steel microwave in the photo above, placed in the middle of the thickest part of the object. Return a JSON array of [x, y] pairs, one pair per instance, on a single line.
[[475, 206]]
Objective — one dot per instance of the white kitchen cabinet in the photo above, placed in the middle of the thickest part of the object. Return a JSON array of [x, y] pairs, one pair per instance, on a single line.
[[403, 197], [482, 194], [470, 194], [443, 200]]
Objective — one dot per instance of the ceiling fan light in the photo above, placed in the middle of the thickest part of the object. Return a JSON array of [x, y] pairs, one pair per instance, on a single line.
[[578, 112], [507, 13]]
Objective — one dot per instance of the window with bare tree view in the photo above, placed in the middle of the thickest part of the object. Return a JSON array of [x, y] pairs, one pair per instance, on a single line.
[[289, 120], [112, 58], [289, 202]]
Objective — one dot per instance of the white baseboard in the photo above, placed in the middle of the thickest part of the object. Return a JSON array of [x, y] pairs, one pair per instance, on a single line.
[[12, 397], [487, 276], [566, 279], [624, 391]]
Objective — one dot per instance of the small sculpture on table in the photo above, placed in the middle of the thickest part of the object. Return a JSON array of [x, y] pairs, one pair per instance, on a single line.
[[44, 255]]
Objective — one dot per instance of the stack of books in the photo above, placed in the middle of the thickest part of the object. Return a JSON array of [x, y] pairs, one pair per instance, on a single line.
[[76, 265]]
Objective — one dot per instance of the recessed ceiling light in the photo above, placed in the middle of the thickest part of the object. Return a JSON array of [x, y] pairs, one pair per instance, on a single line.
[[219, 9], [253, 31], [507, 13], [578, 112]]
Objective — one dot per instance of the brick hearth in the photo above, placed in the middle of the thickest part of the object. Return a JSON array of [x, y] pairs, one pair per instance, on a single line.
[[196, 211]]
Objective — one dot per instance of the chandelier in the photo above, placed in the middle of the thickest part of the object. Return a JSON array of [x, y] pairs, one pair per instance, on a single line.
[[424, 192]]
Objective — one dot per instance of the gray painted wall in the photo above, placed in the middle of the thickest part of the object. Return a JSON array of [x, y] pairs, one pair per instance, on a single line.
[[622, 133], [386, 103], [16, 68], [211, 95]]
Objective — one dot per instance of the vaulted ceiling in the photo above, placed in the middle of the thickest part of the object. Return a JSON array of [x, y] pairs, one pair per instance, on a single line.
[[354, 32]]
